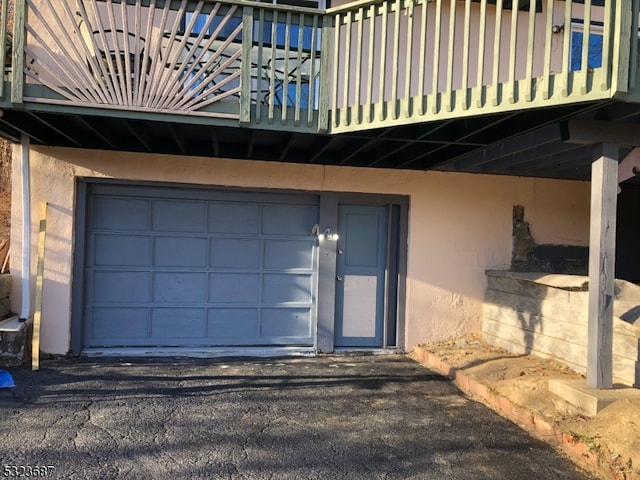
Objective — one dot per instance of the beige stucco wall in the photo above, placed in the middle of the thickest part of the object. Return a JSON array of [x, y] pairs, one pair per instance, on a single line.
[[459, 224]]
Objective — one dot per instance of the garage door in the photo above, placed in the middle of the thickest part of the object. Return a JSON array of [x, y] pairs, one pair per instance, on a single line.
[[191, 267]]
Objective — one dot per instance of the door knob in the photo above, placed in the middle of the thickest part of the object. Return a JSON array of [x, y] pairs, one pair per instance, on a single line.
[[339, 278]]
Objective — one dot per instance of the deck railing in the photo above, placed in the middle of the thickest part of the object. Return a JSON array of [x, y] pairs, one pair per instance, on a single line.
[[401, 61], [217, 59], [368, 64]]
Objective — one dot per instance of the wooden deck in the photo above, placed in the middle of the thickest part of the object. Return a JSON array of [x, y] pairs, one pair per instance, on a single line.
[[367, 65]]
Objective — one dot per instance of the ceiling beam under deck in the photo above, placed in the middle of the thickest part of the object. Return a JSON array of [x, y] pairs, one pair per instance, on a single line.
[[392, 151], [102, 135], [39, 118], [567, 158], [139, 135], [286, 147], [530, 156], [517, 123], [473, 127], [362, 145], [326, 142], [19, 128], [508, 148], [215, 142], [250, 144], [178, 138], [590, 132]]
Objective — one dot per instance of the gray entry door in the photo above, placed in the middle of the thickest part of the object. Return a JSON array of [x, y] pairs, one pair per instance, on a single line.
[[188, 267], [360, 279]]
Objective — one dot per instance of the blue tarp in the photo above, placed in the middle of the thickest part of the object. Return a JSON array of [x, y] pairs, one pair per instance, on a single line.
[[6, 380]]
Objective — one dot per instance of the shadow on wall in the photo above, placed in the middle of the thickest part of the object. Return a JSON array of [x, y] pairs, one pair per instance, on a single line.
[[528, 256]]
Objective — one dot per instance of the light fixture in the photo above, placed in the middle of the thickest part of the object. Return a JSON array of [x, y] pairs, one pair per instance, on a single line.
[[328, 234]]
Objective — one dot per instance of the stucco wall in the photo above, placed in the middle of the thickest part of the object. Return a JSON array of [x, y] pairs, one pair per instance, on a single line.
[[459, 224]]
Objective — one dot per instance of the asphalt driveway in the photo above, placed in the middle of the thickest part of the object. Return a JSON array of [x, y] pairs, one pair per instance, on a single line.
[[298, 418]]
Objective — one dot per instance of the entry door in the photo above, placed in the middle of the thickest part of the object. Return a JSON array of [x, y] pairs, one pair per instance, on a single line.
[[360, 276]]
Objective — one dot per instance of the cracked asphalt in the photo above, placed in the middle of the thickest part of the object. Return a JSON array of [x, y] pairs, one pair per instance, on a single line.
[[328, 417]]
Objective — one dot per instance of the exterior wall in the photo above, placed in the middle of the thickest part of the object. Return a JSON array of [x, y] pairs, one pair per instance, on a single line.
[[459, 224]]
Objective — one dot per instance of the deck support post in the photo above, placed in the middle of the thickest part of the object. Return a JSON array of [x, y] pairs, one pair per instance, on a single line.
[[602, 244]]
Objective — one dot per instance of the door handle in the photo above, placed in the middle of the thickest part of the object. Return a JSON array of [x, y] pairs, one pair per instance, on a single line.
[[339, 278]]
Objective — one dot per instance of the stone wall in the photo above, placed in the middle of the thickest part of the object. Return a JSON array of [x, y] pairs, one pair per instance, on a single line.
[[546, 315]]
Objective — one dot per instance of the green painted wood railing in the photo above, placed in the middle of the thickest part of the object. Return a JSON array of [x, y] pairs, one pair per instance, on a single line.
[[368, 64], [405, 61]]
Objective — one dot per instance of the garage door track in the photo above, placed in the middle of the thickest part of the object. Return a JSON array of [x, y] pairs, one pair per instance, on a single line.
[[296, 418]]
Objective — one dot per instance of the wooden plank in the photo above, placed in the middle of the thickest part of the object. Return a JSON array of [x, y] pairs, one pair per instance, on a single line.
[[436, 57], [260, 66], [383, 61], [408, 63], [4, 254], [424, 7], [566, 52], [584, 61], [602, 244], [346, 74], [395, 62], [245, 63], [325, 74], [495, 100], [37, 316], [312, 78], [482, 32], [368, 102], [3, 43], [298, 99], [546, 74], [19, 32], [621, 48], [530, 43], [513, 43], [358, 64], [450, 55], [285, 80], [465, 54]]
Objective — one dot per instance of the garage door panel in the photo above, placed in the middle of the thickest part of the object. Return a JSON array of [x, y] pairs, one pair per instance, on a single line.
[[177, 216], [286, 288], [288, 220], [195, 268], [236, 252], [178, 323], [286, 322], [180, 252], [120, 214], [234, 218], [234, 288], [120, 323], [179, 287], [121, 287], [121, 250], [288, 254], [230, 323]]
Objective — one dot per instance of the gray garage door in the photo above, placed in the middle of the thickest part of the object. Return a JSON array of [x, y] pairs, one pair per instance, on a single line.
[[189, 267]]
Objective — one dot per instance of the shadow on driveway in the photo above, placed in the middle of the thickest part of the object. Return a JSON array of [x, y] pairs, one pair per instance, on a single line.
[[295, 418]]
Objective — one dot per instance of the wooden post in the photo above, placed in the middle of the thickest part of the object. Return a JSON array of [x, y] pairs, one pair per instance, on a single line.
[[245, 76], [602, 245], [35, 341]]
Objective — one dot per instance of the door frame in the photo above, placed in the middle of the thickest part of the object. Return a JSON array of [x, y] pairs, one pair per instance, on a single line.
[[329, 203], [326, 254]]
